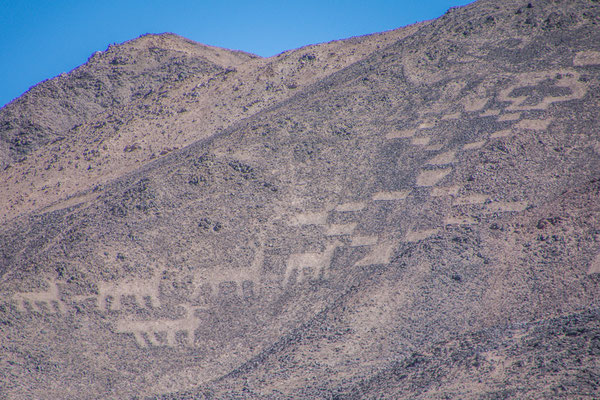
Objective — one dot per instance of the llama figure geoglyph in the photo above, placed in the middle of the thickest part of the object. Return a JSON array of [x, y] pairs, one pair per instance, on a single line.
[[49, 298], [310, 265], [187, 324], [219, 275], [138, 288]]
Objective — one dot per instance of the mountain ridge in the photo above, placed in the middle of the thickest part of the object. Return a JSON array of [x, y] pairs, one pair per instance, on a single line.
[[20, 138], [421, 223], [14, 193]]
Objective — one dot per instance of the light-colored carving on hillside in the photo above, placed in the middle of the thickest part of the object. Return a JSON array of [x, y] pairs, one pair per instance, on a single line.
[[379, 254], [534, 124], [594, 267], [406, 133], [415, 236], [352, 206], [588, 57], [364, 241], [309, 218], [455, 115], [474, 145], [475, 198], [445, 191], [420, 141], [42, 301], [570, 80], [489, 113], [434, 147], [509, 117], [310, 265], [138, 288], [239, 276], [444, 158], [432, 177], [426, 125], [188, 324], [391, 195], [501, 134], [507, 206], [81, 298], [340, 229]]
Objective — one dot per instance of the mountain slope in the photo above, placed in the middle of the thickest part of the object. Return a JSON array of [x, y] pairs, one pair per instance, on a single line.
[[109, 80], [421, 223], [122, 139]]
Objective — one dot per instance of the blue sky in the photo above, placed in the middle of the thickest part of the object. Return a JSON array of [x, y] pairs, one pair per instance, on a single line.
[[40, 39]]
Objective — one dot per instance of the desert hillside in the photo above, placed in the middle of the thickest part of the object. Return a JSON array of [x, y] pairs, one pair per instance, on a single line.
[[413, 214]]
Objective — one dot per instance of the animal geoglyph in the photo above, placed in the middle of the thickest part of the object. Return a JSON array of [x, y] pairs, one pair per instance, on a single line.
[[138, 288], [42, 301], [187, 325]]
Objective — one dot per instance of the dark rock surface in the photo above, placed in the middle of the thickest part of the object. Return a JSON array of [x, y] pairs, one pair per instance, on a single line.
[[423, 223]]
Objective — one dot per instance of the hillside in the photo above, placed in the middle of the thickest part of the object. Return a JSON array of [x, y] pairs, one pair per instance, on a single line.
[[412, 214], [109, 80], [122, 138]]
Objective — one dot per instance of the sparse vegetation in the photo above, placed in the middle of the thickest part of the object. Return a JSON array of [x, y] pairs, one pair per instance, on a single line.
[[419, 218]]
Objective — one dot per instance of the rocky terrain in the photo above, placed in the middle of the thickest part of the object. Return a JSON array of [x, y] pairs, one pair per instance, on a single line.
[[411, 214], [184, 108]]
